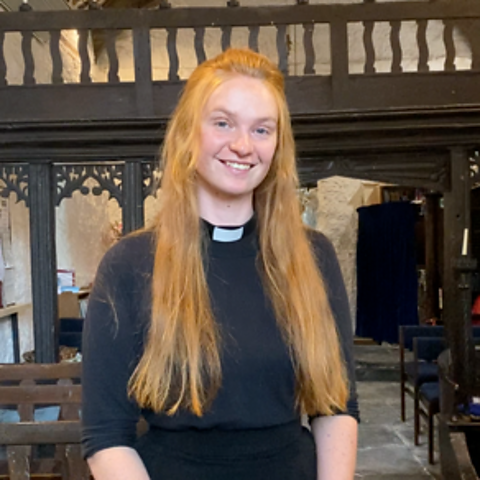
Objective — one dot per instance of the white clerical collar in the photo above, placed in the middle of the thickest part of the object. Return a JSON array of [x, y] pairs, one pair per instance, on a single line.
[[220, 234]]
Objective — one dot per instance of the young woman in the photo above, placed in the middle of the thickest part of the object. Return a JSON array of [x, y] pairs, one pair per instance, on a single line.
[[228, 320]]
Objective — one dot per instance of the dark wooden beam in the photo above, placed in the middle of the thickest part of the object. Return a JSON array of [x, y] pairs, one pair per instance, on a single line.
[[132, 189], [239, 16], [457, 290], [41, 196]]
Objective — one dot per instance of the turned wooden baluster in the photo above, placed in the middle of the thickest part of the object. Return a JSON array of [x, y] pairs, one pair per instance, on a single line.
[[227, 30], [449, 65], [28, 74], [253, 33], [422, 46], [396, 47], [369, 66], [282, 48], [309, 68], [84, 56], [199, 44], [172, 54], [57, 63], [110, 36]]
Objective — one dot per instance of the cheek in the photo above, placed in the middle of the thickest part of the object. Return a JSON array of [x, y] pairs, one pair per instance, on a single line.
[[268, 152]]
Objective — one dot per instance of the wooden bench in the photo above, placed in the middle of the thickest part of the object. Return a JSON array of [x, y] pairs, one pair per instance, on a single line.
[[23, 388]]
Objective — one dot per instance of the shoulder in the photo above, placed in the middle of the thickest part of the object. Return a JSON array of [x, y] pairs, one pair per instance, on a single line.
[[321, 245], [133, 253], [326, 257]]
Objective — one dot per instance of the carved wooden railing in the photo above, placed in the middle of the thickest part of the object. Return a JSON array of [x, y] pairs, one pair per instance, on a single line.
[[317, 25]]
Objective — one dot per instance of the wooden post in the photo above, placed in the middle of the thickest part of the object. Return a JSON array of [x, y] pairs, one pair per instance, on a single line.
[[41, 196], [432, 255], [132, 188], [143, 71], [456, 220]]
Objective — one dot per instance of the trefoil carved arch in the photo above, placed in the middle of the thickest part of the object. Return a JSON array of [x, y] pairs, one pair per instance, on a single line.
[[69, 178]]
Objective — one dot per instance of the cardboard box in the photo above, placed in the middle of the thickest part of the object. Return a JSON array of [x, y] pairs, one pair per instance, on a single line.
[[68, 305]]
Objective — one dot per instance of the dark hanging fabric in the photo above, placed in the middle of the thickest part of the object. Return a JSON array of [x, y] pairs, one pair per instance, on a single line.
[[386, 270]]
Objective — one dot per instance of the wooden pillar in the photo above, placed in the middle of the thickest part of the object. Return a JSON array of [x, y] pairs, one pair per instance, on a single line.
[[432, 255], [41, 197], [132, 189], [456, 305]]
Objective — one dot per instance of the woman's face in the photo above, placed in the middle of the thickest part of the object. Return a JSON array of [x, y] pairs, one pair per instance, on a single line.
[[237, 141]]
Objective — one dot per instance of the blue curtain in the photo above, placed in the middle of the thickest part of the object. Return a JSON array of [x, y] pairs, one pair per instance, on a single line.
[[386, 270]]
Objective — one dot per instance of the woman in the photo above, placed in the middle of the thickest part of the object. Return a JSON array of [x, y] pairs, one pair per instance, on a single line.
[[217, 325]]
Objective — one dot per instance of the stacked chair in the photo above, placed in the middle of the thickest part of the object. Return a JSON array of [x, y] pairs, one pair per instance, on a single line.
[[420, 377]]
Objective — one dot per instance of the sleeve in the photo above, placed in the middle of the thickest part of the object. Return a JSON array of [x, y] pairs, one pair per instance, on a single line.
[[109, 351], [337, 295]]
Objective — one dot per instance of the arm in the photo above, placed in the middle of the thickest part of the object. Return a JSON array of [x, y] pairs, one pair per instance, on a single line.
[[111, 345], [117, 463], [336, 436], [336, 446]]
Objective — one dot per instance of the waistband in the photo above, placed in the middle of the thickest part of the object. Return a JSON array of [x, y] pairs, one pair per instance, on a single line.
[[227, 443]]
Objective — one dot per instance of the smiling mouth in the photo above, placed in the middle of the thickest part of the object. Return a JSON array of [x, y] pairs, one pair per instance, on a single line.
[[237, 166]]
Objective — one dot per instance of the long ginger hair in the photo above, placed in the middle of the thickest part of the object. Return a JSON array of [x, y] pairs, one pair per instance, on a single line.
[[180, 366]]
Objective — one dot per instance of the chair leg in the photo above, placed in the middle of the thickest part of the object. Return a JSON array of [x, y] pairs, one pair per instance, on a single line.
[[416, 418], [402, 398], [431, 422]]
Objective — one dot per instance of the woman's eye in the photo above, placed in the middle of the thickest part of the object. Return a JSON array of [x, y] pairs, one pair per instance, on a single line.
[[262, 131], [221, 123]]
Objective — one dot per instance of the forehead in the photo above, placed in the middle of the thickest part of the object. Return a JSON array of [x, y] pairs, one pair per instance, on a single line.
[[243, 96]]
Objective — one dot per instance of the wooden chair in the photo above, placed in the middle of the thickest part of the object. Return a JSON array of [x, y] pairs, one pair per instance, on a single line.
[[412, 375], [24, 387], [427, 394]]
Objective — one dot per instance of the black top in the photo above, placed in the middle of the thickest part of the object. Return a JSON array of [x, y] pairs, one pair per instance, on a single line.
[[258, 382]]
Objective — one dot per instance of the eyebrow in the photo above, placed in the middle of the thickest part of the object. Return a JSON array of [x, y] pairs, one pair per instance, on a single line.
[[232, 114]]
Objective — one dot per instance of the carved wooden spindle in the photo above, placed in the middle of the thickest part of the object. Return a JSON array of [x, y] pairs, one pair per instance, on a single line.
[[110, 36], [396, 47], [172, 54], [253, 33], [199, 43], [226, 38], [84, 56], [28, 75], [3, 65], [369, 66], [308, 29], [422, 46], [57, 63], [282, 48], [449, 65]]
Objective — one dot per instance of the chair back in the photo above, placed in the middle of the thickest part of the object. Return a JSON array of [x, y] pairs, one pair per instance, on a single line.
[[408, 332], [428, 348], [25, 388]]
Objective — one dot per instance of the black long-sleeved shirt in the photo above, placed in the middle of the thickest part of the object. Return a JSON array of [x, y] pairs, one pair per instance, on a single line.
[[258, 381]]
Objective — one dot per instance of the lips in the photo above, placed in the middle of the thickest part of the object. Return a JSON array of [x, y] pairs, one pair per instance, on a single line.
[[237, 166]]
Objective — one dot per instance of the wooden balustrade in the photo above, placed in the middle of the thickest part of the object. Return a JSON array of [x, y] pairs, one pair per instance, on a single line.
[[105, 25], [26, 387]]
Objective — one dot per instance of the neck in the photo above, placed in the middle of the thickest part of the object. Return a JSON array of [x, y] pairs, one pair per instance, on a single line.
[[225, 212]]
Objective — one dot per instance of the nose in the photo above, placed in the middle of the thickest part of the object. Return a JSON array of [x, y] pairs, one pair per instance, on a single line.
[[242, 144]]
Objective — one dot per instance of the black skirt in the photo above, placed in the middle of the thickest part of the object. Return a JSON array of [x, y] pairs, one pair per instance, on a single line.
[[285, 452]]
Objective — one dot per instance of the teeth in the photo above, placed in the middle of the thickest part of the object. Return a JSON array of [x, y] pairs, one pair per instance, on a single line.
[[238, 166]]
